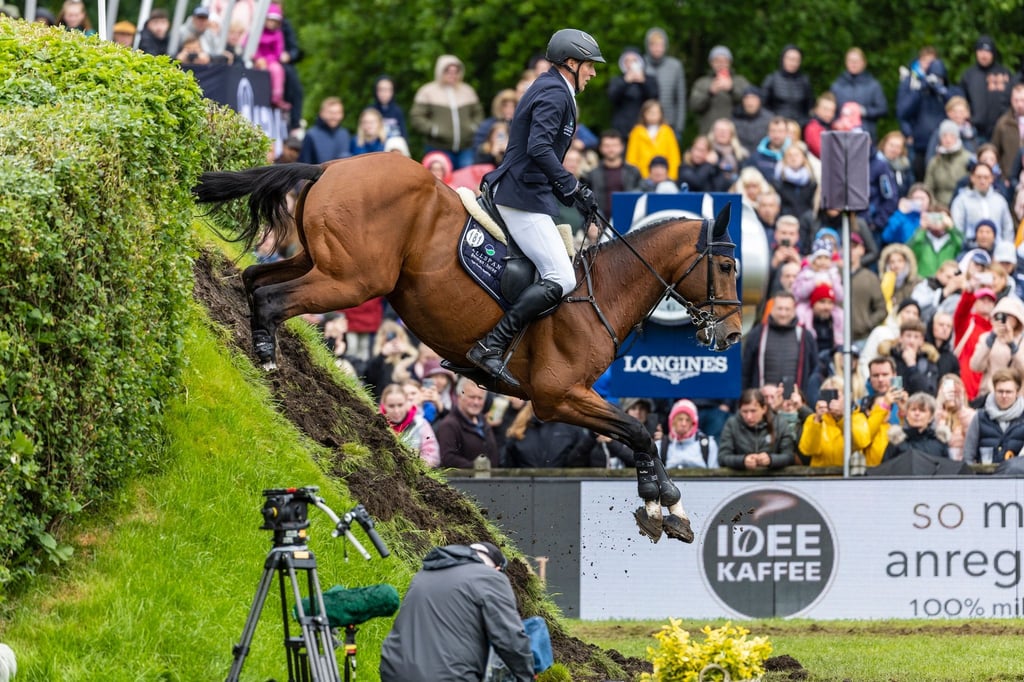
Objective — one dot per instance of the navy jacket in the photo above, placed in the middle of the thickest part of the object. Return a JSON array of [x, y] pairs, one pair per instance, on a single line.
[[541, 133]]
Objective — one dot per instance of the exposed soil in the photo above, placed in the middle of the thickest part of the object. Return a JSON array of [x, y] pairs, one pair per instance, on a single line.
[[330, 415]]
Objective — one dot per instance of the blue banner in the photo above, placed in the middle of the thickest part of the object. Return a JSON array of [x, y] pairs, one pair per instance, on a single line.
[[665, 360]]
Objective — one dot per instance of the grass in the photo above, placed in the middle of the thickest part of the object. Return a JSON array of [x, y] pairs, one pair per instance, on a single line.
[[860, 651], [161, 586]]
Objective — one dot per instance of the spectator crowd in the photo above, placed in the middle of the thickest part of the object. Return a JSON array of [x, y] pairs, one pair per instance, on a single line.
[[936, 284]]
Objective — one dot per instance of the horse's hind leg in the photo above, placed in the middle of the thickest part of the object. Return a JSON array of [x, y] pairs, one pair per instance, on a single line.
[[677, 523], [266, 274]]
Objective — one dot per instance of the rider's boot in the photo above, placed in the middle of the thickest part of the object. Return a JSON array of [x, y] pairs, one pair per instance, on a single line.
[[488, 352], [648, 517]]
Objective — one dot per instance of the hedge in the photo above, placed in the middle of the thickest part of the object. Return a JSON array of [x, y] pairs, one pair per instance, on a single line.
[[99, 147]]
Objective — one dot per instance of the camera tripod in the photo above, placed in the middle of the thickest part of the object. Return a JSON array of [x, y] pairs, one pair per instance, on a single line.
[[310, 653]]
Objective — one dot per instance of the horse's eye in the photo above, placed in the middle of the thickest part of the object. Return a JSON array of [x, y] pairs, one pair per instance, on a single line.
[[726, 268]]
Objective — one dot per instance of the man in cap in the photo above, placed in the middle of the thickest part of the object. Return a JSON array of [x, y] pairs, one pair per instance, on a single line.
[[987, 86], [716, 94], [124, 33], [458, 606]]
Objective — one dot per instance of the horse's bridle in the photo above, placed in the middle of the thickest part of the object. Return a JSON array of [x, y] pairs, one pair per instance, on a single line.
[[704, 319]]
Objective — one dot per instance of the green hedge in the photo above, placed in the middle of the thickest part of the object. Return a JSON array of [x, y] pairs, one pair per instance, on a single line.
[[99, 147]]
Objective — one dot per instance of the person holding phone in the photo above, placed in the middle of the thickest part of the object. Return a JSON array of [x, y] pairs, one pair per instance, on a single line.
[[972, 321], [822, 438], [915, 359], [1003, 347], [756, 438], [953, 413]]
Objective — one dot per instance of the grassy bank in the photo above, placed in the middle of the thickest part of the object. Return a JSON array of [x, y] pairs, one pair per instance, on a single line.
[[160, 590]]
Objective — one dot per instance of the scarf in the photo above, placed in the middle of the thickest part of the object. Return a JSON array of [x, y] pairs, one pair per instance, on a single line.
[[796, 176], [406, 422], [1003, 416], [957, 146]]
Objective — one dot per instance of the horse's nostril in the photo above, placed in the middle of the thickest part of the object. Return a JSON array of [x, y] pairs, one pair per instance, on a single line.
[[733, 338]]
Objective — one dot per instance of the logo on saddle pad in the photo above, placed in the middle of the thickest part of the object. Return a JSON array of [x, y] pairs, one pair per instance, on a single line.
[[768, 553], [675, 368]]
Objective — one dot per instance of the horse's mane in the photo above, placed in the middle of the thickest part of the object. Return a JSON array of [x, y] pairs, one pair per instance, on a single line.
[[598, 248]]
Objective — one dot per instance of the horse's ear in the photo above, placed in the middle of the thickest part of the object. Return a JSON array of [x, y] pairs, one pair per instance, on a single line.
[[722, 223]]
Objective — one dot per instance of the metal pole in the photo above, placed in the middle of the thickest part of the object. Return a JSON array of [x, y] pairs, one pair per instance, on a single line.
[[847, 382], [176, 22], [225, 26], [112, 8], [101, 20], [144, 9], [30, 10], [259, 17]]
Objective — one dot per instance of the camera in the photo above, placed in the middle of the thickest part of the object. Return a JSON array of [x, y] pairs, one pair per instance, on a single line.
[[829, 394], [286, 512], [191, 56], [785, 242]]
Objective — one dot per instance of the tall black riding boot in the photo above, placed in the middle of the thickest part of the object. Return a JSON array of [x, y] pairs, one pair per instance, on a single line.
[[487, 353]]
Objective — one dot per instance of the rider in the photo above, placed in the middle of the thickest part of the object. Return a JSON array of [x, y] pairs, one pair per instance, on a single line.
[[541, 133]]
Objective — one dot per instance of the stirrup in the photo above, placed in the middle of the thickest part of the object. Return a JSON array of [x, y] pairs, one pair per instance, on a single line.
[[491, 362]]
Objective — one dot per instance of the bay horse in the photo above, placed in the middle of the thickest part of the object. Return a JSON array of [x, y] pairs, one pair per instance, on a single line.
[[383, 225]]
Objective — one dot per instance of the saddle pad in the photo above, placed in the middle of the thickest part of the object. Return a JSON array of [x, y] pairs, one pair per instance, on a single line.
[[484, 258]]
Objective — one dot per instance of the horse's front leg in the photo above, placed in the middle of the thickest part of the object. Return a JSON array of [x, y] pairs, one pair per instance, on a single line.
[[585, 407]]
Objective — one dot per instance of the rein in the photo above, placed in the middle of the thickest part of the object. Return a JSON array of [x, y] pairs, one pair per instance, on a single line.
[[702, 318]]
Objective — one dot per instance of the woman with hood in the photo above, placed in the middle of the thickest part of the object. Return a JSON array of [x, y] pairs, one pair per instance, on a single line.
[[447, 112], [898, 267], [787, 90], [949, 165], [628, 92], [756, 438], [384, 102], [686, 446], [953, 413], [407, 423], [918, 432], [440, 164], [1003, 347]]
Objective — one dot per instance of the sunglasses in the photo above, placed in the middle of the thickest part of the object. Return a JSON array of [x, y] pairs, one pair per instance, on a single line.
[[1000, 317]]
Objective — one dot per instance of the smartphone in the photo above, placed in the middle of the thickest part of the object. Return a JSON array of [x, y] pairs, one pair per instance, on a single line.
[[829, 394], [936, 218], [428, 383], [984, 278], [788, 385], [948, 386], [785, 242], [897, 383]]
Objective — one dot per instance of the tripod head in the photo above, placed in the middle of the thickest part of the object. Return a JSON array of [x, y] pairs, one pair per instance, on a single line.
[[286, 513]]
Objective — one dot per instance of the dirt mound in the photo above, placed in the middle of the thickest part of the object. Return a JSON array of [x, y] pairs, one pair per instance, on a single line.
[[330, 415], [787, 665]]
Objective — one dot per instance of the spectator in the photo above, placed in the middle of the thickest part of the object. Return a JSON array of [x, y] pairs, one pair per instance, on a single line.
[[192, 52], [904, 222], [940, 292], [503, 107], [949, 165], [73, 17], [889, 330], [972, 321], [294, 94], [438, 392], [384, 102], [715, 95], [464, 434], [890, 178], [628, 92], [269, 53], [751, 118], [393, 355], [447, 112], [936, 241], [989, 155], [940, 335], [915, 360], [406, 421], [726, 145], [440, 165], [124, 34], [45, 17], [867, 309], [768, 207], [918, 434], [959, 112], [821, 121], [686, 447], [795, 182], [768, 153], [642, 409], [820, 268], [1006, 258], [857, 85], [982, 204], [785, 243], [899, 274], [534, 444], [1003, 346], [657, 180], [492, 150], [613, 174], [921, 103], [326, 139], [153, 39], [699, 171], [987, 87], [457, 607], [670, 76], [757, 438], [652, 137], [787, 90], [985, 240], [997, 431], [954, 414], [370, 133], [792, 355], [198, 26], [822, 438]]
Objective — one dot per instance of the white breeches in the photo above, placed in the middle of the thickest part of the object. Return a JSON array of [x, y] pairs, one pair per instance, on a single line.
[[538, 237]]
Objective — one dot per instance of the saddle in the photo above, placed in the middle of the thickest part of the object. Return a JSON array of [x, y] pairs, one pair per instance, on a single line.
[[489, 254]]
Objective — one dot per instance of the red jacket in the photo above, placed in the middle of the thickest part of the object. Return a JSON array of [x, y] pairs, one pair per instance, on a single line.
[[968, 327], [365, 318]]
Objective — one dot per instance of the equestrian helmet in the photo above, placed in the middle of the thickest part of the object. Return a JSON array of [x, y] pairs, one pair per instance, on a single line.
[[571, 43]]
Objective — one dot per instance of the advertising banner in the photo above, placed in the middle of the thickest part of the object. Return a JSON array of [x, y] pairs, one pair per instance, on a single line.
[[247, 91], [826, 549]]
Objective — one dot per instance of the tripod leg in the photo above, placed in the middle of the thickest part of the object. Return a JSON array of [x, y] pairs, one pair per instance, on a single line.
[[241, 650], [316, 631]]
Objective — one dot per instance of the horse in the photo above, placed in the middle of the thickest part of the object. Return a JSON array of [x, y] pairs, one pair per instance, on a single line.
[[382, 225]]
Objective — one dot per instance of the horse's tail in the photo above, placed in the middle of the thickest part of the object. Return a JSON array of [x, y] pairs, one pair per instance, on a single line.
[[267, 187]]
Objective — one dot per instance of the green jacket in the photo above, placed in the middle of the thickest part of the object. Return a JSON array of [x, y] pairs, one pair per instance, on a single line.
[[928, 259]]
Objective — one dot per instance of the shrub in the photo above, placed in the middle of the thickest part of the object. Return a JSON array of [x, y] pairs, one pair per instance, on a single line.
[[679, 658], [99, 147]]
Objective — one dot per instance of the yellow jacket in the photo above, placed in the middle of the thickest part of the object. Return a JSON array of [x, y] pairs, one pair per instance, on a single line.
[[878, 430], [641, 149], [823, 443]]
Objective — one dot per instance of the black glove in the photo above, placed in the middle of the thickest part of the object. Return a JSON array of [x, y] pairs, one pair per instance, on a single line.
[[585, 200]]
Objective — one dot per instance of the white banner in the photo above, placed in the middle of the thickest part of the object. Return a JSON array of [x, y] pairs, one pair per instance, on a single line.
[[809, 548]]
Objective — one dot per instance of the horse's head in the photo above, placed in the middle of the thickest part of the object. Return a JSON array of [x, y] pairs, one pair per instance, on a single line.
[[709, 284]]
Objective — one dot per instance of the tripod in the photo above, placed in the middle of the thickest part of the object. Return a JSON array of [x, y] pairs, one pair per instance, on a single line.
[[310, 653]]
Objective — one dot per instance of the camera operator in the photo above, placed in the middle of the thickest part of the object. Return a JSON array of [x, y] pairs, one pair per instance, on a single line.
[[457, 606]]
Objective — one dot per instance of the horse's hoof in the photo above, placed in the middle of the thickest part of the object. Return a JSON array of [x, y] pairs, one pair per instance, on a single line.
[[269, 366], [677, 528], [649, 527]]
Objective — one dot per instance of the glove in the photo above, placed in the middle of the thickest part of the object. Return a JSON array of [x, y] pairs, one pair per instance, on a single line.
[[585, 199]]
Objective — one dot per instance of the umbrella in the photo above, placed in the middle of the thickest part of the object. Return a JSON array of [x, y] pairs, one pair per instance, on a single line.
[[1011, 467], [917, 463]]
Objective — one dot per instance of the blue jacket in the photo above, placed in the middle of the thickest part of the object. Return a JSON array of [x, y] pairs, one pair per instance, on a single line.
[[921, 103], [541, 134], [888, 182], [323, 144]]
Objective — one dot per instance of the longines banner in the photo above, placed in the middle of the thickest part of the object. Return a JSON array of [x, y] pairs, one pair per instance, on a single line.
[[869, 549], [666, 361]]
